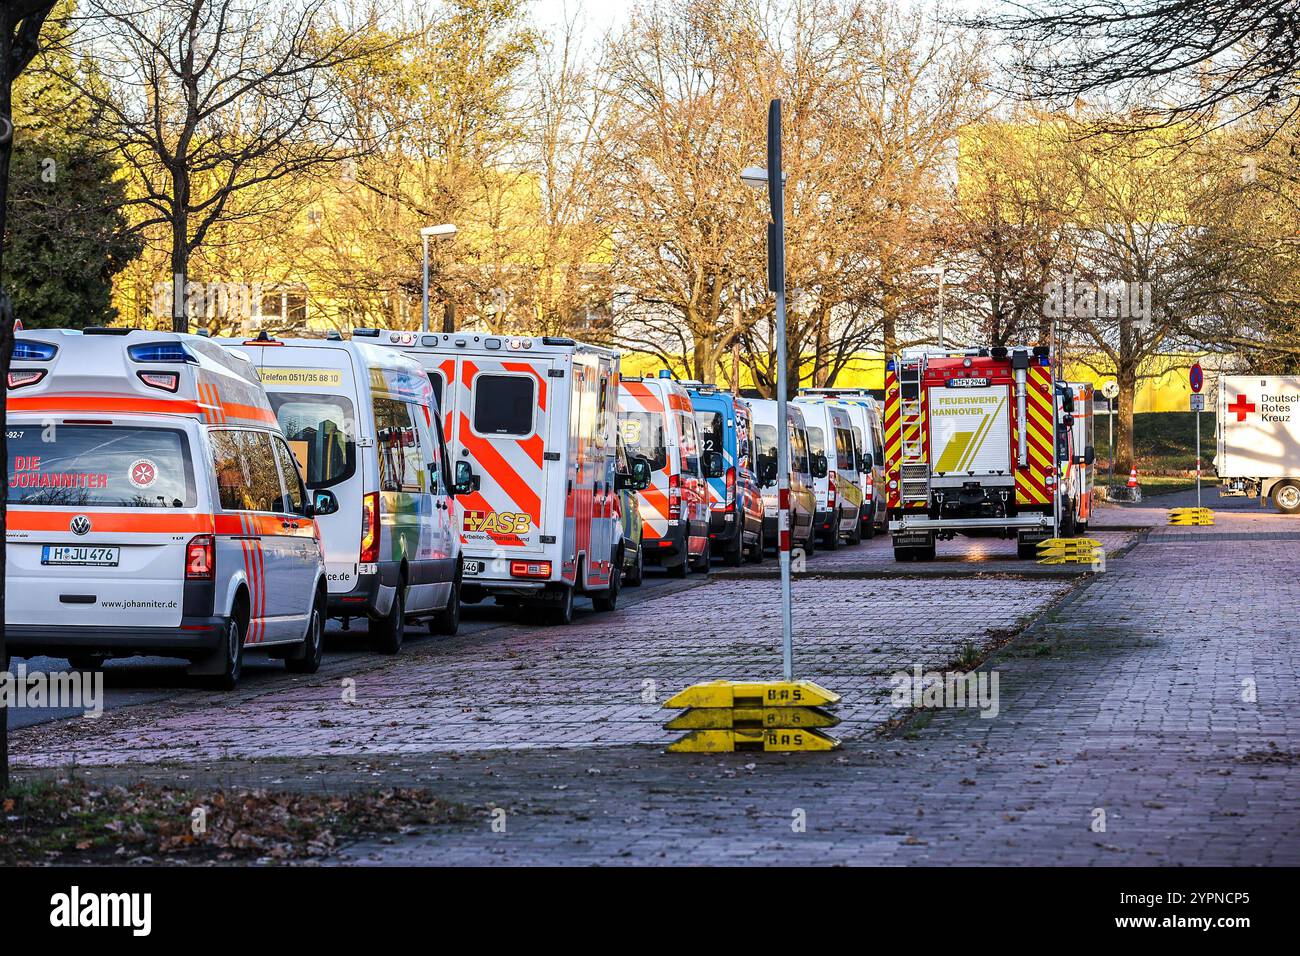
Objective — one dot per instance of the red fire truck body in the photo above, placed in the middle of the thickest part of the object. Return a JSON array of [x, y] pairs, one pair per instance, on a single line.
[[969, 439]]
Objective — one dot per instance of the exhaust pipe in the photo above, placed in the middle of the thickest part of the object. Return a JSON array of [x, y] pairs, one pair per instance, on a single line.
[[1020, 364]]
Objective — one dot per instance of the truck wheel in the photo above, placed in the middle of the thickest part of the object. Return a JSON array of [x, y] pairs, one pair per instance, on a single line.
[[313, 643], [636, 573], [832, 540], [1286, 498], [680, 570], [447, 621], [755, 555], [869, 530], [386, 634], [902, 553], [561, 612], [855, 537], [1068, 527], [607, 600]]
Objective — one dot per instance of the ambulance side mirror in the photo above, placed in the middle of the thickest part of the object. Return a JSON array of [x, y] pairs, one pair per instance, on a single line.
[[715, 466], [866, 462], [465, 480], [819, 466], [1089, 455], [323, 503]]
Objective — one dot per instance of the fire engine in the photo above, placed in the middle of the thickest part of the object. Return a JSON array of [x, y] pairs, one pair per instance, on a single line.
[[969, 439]]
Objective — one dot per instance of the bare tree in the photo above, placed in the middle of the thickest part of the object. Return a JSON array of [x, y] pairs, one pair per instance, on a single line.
[[1194, 63], [215, 100], [20, 30]]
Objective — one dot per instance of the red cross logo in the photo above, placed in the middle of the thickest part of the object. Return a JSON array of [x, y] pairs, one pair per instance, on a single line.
[[1241, 407]]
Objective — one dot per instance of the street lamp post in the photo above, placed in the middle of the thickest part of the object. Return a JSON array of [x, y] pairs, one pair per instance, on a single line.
[[774, 178], [445, 231]]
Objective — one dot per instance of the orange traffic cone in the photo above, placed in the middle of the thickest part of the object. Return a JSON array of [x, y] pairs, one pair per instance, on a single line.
[[1133, 478]]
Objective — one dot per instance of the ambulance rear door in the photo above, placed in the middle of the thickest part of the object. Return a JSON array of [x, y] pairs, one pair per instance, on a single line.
[[98, 518], [501, 412]]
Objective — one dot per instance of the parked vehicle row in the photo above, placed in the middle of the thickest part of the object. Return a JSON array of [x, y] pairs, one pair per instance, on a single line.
[[180, 496]]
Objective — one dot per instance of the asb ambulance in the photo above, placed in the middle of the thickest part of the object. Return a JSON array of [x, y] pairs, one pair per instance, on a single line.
[[535, 420], [835, 460], [154, 507], [363, 424], [658, 424]]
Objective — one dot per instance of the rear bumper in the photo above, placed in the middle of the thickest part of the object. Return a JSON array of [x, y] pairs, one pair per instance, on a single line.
[[668, 550], [364, 598], [722, 530], [922, 522], [194, 638]]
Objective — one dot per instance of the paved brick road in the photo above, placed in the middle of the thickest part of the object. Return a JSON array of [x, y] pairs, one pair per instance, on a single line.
[[1125, 699]]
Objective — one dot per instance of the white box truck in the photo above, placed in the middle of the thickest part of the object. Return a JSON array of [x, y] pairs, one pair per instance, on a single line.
[[1257, 451]]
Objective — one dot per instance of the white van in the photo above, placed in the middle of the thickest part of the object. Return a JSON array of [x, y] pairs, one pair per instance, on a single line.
[[154, 507], [864, 413], [803, 499], [835, 459], [533, 418], [363, 423]]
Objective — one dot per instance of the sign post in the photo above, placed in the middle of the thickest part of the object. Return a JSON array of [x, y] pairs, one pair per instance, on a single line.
[[1110, 391], [1196, 378]]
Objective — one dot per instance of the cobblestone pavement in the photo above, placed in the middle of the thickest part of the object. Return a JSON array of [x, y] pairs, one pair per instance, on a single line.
[[598, 682], [1148, 715]]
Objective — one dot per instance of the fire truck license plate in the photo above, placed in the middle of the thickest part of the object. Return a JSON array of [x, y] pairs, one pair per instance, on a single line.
[[474, 567], [79, 554], [969, 382]]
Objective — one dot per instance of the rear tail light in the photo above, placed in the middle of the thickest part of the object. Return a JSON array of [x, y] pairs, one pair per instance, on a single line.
[[731, 488], [24, 377], [201, 558], [674, 497], [369, 528], [168, 381], [830, 491], [871, 486], [530, 569]]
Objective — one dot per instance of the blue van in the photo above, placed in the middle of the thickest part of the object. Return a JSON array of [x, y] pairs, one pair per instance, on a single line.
[[735, 503]]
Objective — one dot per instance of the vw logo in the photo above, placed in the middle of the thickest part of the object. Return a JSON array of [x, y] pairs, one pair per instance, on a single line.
[[80, 525]]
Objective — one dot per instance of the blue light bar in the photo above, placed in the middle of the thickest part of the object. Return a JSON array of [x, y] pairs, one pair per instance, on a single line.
[[26, 350], [160, 352]]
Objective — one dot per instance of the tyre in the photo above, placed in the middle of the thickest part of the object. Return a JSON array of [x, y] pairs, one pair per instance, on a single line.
[[755, 555], [681, 569], [386, 633], [855, 537], [735, 553], [831, 542], [869, 531], [85, 662], [447, 621], [1286, 498], [232, 651], [636, 573], [313, 642], [1026, 550], [607, 600], [1068, 527], [560, 612]]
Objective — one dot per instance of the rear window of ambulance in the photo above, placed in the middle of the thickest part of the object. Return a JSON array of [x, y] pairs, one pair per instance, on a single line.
[[80, 466], [320, 431], [503, 404], [644, 434], [712, 437]]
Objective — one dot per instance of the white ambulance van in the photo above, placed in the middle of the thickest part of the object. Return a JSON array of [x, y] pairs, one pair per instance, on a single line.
[[534, 420], [154, 507], [363, 424], [836, 481], [658, 424], [864, 413], [803, 498]]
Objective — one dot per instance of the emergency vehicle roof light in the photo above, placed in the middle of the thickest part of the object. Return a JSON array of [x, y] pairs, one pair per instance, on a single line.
[[369, 333], [333, 335], [160, 352], [665, 373], [27, 351]]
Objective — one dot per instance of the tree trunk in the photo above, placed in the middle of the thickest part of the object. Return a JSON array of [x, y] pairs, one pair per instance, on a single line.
[[180, 258], [1126, 378]]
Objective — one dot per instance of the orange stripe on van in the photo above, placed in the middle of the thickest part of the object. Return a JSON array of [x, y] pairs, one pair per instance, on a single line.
[[491, 461], [534, 448], [114, 522], [137, 406], [646, 398]]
